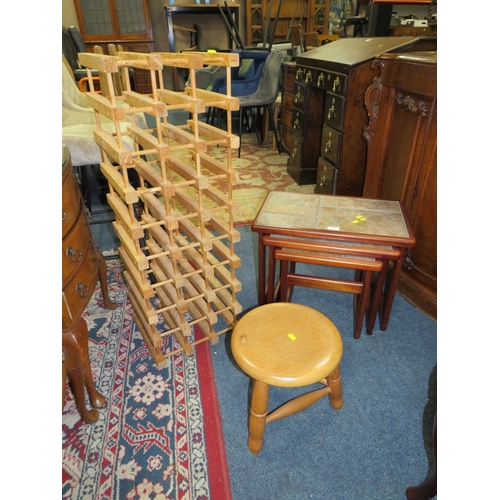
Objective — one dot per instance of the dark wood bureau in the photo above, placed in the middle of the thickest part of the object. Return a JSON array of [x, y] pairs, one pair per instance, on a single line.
[[329, 113], [82, 265], [402, 160]]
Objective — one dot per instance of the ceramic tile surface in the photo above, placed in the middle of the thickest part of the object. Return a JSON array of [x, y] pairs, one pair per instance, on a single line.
[[335, 213]]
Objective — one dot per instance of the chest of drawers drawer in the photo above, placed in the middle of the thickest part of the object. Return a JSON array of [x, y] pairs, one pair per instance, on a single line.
[[333, 114], [297, 122], [79, 288], [296, 151], [331, 81], [75, 246], [299, 93], [326, 178], [330, 144], [304, 74]]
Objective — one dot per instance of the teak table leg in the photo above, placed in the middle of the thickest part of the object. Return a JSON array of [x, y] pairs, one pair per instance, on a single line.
[[75, 347], [258, 414], [262, 271], [377, 299], [386, 304]]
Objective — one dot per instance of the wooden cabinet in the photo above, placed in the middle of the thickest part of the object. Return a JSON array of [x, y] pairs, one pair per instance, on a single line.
[[82, 264], [120, 22], [402, 162], [329, 112], [315, 18], [287, 81]]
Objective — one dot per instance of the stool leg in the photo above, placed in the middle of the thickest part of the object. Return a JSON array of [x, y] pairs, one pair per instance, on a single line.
[[334, 382], [258, 414]]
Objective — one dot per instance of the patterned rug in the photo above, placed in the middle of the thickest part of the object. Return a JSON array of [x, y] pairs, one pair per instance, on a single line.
[[160, 435], [261, 170]]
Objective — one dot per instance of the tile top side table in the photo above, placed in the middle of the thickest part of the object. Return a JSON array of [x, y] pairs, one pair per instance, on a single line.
[[346, 219]]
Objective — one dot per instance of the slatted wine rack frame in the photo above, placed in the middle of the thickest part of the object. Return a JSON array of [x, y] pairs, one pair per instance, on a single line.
[[174, 223]]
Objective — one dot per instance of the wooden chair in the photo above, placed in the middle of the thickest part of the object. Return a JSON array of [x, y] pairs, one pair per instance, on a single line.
[[365, 260], [286, 345], [297, 40], [311, 40]]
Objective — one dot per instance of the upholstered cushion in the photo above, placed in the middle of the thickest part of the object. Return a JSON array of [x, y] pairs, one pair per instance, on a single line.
[[78, 135]]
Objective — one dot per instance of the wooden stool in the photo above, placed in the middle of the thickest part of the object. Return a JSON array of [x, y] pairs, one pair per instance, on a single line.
[[286, 345]]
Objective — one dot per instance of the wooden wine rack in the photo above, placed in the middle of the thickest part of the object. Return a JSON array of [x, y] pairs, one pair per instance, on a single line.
[[173, 218]]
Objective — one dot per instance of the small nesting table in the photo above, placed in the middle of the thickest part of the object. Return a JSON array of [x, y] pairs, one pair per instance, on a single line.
[[286, 345], [345, 219]]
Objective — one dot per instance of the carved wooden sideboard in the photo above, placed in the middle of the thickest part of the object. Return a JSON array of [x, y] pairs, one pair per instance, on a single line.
[[287, 81], [402, 160], [82, 264]]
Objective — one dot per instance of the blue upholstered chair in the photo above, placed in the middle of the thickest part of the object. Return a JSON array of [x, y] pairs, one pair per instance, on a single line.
[[245, 79], [265, 95]]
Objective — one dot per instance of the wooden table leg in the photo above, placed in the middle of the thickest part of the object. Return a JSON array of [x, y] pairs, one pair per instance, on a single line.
[[272, 287], [377, 298], [386, 304], [75, 348], [262, 271], [258, 414]]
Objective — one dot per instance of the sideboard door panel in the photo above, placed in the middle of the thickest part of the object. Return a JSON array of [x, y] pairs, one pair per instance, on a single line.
[[402, 161]]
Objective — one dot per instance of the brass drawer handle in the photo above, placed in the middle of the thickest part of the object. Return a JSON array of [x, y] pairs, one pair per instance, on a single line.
[[81, 289], [321, 79], [328, 148], [74, 255], [298, 74], [297, 96], [296, 123], [309, 76], [336, 83], [322, 181], [331, 109], [295, 152]]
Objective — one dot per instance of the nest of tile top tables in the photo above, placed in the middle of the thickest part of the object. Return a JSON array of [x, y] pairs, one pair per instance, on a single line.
[[175, 227]]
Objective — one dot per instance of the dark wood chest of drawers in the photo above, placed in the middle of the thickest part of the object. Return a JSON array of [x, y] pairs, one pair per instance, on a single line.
[[328, 113]]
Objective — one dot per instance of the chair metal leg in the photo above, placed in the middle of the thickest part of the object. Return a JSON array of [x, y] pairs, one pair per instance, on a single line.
[[240, 119], [273, 125]]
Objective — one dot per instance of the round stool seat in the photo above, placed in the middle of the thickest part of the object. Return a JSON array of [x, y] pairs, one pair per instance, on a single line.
[[286, 345]]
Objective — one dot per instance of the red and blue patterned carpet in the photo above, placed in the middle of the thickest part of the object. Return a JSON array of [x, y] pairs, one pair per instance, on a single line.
[[159, 436]]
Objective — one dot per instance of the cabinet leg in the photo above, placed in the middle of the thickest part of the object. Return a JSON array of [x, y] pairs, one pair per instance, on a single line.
[[103, 279], [75, 348]]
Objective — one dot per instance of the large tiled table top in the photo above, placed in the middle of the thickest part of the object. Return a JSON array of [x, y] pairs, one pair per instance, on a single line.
[[332, 213]]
